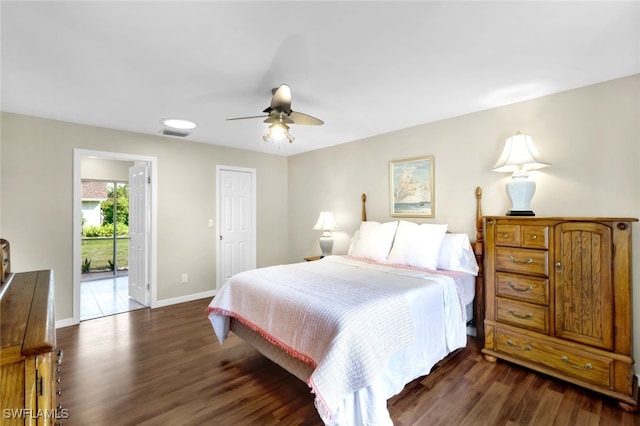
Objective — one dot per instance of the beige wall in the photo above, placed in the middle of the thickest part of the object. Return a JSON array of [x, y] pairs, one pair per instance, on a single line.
[[105, 169], [589, 135], [36, 195]]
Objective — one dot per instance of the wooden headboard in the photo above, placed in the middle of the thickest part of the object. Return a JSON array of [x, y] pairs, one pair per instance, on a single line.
[[478, 248]]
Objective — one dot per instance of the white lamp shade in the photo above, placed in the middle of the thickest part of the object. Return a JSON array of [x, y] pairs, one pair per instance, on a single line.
[[518, 155], [325, 222]]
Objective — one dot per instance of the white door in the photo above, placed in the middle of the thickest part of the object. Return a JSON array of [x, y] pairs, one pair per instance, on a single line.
[[139, 234], [236, 222]]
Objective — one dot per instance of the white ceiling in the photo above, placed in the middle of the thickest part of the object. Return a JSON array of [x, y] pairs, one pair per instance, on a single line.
[[365, 68]]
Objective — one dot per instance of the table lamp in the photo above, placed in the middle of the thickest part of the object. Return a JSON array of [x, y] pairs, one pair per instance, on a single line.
[[326, 223], [518, 157]]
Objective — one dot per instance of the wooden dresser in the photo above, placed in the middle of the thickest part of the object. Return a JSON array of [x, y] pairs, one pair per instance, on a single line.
[[28, 361], [558, 300]]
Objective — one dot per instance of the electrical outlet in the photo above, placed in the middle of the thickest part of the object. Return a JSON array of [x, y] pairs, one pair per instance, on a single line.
[[185, 278]]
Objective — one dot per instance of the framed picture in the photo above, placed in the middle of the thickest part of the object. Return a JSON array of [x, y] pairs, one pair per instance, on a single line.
[[412, 190]]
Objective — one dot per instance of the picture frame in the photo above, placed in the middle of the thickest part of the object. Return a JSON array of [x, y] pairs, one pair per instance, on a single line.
[[412, 189]]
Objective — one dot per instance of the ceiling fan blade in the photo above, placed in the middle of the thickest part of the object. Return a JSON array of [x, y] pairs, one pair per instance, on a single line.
[[245, 118], [301, 118], [281, 100]]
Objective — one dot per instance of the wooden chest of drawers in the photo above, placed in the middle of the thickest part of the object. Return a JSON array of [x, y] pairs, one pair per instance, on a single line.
[[28, 361], [558, 300]]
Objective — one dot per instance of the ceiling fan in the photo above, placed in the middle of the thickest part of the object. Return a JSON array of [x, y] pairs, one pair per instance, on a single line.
[[279, 114]]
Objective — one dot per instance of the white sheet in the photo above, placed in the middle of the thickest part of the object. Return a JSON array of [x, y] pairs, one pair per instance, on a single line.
[[439, 327]]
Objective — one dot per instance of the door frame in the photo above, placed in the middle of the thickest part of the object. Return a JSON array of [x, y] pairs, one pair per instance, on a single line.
[[219, 169], [78, 154]]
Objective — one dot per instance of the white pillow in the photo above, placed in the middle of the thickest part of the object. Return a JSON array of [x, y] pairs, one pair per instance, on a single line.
[[417, 245], [375, 240], [456, 254], [356, 237]]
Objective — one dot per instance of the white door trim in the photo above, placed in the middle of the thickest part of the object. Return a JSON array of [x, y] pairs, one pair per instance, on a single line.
[[77, 220], [219, 168]]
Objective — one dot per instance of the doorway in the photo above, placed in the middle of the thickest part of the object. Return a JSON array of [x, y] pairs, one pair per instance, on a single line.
[[102, 244], [105, 247]]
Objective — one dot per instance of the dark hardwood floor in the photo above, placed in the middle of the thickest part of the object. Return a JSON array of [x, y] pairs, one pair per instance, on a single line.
[[165, 367]]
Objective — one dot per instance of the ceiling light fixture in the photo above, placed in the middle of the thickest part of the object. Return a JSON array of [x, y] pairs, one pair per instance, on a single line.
[[278, 133], [178, 123]]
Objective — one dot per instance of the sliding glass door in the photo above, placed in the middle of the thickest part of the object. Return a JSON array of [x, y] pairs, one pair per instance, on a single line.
[[105, 229]]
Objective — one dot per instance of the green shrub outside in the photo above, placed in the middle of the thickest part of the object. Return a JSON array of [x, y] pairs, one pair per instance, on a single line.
[[106, 230]]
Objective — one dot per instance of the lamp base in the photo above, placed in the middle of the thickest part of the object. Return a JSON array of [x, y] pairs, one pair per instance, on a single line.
[[326, 245], [520, 213]]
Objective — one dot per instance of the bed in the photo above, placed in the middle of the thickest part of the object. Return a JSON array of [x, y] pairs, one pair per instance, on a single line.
[[358, 327]]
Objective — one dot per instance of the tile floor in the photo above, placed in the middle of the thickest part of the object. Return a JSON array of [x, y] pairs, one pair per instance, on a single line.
[[108, 296]]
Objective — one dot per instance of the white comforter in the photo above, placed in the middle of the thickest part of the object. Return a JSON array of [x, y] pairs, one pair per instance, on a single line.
[[367, 329]]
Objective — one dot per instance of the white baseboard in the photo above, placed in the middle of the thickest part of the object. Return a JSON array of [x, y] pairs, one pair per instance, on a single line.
[[182, 299], [67, 322]]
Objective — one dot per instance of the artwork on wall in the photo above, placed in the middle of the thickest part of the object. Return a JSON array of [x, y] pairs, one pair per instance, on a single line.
[[412, 191]]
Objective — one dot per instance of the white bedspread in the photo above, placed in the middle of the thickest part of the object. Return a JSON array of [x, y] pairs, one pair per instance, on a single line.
[[360, 326]]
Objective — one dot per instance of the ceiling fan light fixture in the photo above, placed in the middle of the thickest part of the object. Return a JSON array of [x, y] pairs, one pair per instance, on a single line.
[[278, 133], [178, 123]]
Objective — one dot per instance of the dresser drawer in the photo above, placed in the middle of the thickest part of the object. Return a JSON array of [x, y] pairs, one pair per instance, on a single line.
[[572, 362], [521, 314], [535, 236], [522, 260], [523, 287], [507, 235], [532, 236]]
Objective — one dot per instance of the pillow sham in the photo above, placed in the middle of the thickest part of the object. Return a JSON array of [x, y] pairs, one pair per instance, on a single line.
[[417, 245], [374, 241], [456, 254], [356, 237]]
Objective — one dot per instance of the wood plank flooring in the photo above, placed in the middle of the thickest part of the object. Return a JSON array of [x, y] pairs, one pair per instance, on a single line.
[[165, 367]]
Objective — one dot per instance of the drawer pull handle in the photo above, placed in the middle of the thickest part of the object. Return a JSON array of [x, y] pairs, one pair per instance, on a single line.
[[520, 262], [534, 237], [577, 367], [513, 345], [505, 235], [525, 316], [523, 289]]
